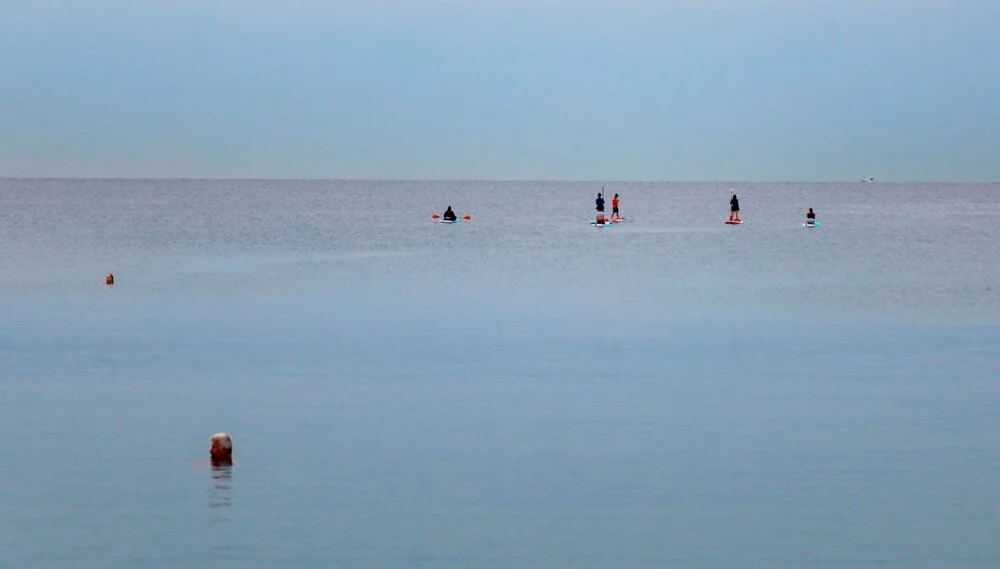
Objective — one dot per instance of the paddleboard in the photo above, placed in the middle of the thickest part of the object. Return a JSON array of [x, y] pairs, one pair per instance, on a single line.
[[447, 221], [815, 224], [605, 224], [734, 221]]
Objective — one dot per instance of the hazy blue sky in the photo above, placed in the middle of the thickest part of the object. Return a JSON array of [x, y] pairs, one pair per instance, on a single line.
[[501, 89]]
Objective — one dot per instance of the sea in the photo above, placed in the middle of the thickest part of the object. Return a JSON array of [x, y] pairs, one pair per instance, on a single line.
[[521, 390]]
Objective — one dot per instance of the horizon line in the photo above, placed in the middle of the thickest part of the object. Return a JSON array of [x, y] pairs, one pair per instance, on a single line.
[[495, 180]]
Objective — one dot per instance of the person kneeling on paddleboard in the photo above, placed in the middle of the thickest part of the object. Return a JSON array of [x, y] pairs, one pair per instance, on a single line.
[[810, 216], [734, 208], [449, 215], [615, 216]]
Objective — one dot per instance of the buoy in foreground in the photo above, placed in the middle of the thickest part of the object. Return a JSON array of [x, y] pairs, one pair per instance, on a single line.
[[109, 279], [222, 449]]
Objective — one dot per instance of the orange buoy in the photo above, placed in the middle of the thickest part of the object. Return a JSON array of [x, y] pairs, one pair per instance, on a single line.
[[109, 279], [222, 449]]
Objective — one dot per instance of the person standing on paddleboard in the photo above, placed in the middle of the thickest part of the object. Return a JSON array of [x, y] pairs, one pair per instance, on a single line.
[[600, 202], [734, 208], [615, 216]]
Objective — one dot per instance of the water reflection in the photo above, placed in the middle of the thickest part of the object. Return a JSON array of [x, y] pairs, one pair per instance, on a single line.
[[222, 477]]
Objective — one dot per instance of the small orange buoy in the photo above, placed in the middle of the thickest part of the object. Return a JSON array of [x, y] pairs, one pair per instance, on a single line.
[[109, 279], [222, 449]]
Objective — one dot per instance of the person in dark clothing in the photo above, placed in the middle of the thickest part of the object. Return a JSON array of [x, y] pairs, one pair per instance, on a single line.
[[449, 215], [734, 208], [810, 215], [600, 202]]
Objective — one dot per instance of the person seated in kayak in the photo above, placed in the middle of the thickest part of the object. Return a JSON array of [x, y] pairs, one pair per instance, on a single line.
[[449, 215], [615, 216], [734, 208], [810, 216], [600, 202]]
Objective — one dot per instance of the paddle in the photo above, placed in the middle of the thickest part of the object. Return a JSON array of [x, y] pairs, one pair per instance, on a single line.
[[438, 216]]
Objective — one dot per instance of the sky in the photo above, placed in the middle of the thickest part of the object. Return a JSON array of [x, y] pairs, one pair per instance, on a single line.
[[501, 89]]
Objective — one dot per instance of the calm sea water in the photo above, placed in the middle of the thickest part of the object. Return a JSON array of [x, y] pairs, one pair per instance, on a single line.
[[520, 391]]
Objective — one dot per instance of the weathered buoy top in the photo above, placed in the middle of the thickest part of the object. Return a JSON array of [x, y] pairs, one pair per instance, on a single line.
[[109, 279], [222, 448]]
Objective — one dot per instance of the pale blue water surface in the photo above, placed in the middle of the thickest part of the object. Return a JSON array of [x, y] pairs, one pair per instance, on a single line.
[[524, 390]]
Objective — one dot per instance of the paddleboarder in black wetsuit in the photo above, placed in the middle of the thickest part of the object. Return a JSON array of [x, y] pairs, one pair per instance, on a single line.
[[734, 208], [810, 216], [600, 202], [449, 215]]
